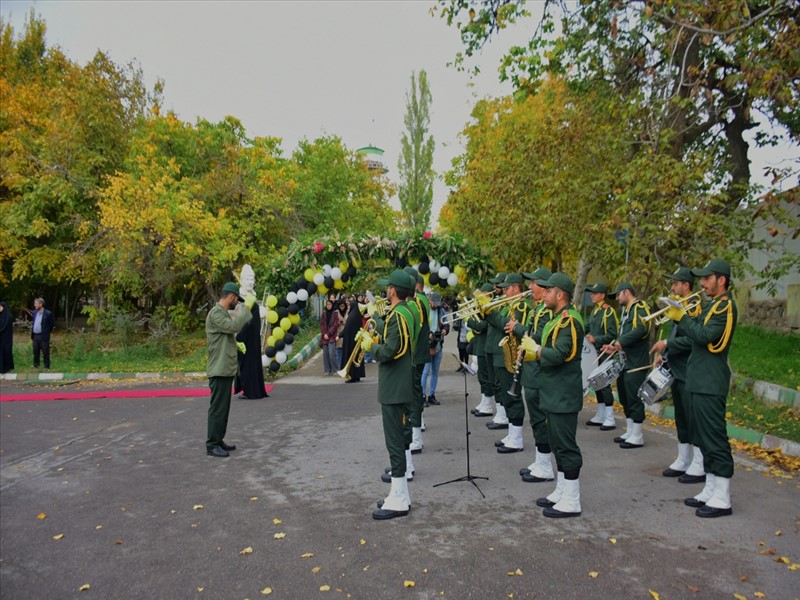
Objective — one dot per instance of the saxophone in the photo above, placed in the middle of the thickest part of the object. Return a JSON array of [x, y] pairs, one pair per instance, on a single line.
[[510, 348]]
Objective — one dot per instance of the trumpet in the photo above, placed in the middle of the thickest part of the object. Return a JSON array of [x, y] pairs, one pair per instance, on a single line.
[[356, 358], [688, 303], [503, 301], [375, 306], [467, 309]]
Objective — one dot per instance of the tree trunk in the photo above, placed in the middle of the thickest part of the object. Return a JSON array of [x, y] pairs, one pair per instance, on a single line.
[[584, 266]]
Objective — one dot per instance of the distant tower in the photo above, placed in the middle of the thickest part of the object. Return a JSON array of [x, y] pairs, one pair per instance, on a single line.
[[372, 156]]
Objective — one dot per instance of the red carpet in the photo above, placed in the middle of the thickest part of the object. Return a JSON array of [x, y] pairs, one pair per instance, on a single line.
[[89, 395]]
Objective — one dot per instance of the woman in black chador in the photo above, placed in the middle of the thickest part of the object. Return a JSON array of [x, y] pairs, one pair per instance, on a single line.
[[6, 339], [351, 328], [250, 380]]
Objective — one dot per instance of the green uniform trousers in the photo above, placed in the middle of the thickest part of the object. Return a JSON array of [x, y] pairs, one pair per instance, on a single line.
[[218, 410], [493, 377], [561, 428], [483, 377], [628, 386], [394, 418], [711, 433], [536, 415], [515, 407], [682, 416], [605, 396], [417, 404]]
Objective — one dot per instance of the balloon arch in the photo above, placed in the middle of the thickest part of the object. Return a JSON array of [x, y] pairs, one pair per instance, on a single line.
[[446, 262]]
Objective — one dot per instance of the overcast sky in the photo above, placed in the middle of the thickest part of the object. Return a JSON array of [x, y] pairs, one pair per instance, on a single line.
[[291, 70]]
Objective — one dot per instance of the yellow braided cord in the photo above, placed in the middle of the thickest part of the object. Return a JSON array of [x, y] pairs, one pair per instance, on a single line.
[[722, 343], [402, 329], [574, 335]]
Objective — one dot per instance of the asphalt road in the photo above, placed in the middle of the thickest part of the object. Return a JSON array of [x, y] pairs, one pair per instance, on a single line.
[[123, 481]]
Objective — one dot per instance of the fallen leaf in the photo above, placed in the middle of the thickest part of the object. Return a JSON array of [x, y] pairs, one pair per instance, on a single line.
[[247, 550], [612, 540], [84, 587], [58, 537], [200, 589], [118, 542], [739, 596], [408, 583], [593, 574], [307, 555], [518, 571], [315, 570], [41, 516], [794, 566], [59, 469], [782, 559], [266, 591], [762, 543], [195, 507], [253, 499], [743, 578], [425, 571], [759, 594], [324, 588], [98, 527], [279, 536], [365, 568], [779, 532], [693, 588], [362, 541], [768, 552], [655, 595], [276, 521]]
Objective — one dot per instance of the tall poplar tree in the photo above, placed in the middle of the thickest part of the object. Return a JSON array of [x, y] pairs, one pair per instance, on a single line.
[[416, 160]]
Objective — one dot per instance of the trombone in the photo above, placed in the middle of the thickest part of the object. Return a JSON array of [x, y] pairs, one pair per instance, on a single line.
[[357, 355], [688, 303], [467, 309], [375, 306]]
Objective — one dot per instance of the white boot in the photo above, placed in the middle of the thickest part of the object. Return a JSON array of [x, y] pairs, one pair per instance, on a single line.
[[422, 423], [680, 464], [696, 468], [542, 467], [719, 504], [396, 504], [705, 495], [500, 416], [513, 441], [406, 494], [635, 439], [609, 422], [569, 505], [485, 407], [479, 408], [554, 496], [409, 466], [628, 428], [416, 440], [599, 417]]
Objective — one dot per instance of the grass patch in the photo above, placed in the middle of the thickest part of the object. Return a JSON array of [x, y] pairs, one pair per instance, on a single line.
[[765, 355], [744, 410]]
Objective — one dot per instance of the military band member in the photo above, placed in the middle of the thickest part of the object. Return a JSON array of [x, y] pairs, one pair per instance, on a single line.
[[541, 469], [494, 356], [561, 392], [420, 307], [478, 326], [707, 383], [634, 340], [675, 350], [602, 328], [504, 319], [395, 384]]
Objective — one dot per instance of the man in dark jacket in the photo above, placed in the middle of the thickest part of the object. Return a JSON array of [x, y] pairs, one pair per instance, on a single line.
[[43, 324]]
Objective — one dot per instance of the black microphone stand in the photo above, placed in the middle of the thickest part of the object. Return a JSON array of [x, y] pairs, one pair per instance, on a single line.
[[468, 477]]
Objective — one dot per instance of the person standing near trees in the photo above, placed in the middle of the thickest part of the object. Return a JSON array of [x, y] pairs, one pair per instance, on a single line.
[[328, 328], [6, 339], [43, 324], [603, 327], [223, 322]]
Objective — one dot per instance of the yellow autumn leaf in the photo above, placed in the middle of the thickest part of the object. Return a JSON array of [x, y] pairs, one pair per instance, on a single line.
[[593, 574], [324, 588], [84, 587], [200, 589], [655, 595], [612, 540], [739, 596], [783, 559], [276, 521], [197, 507], [362, 541], [315, 570], [41, 516], [279, 536], [247, 550], [779, 532], [253, 499], [307, 555], [58, 537], [425, 571], [759, 594], [518, 571], [266, 591], [408, 583], [98, 527]]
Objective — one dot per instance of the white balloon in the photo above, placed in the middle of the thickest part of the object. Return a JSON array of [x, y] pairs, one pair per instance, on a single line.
[[287, 349], [416, 267], [336, 273], [319, 279], [280, 357], [291, 297], [264, 360], [326, 270], [452, 279], [302, 295], [262, 311], [434, 266], [444, 273]]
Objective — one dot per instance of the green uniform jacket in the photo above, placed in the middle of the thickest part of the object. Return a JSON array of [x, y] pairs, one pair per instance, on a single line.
[[479, 336], [678, 349], [711, 333], [538, 317], [497, 321], [603, 325], [393, 353], [560, 376], [420, 307], [634, 335], [221, 329]]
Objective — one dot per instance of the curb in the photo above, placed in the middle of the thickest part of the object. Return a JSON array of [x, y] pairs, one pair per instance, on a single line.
[[304, 353]]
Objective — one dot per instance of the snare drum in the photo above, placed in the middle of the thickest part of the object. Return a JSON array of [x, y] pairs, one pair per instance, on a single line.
[[605, 374], [588, 360], [656, 385]]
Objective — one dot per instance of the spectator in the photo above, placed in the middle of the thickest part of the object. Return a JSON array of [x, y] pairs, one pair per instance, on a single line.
[[436, 343], [43, 324], [351, 327], [329, 330], [342, 309]]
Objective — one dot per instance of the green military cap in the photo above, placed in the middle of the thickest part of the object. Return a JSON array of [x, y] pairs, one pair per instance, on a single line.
[[511, 279], [414, 273], [598, 288], [560, 281], [623, 285], [682, 274], [231, 288], [499, 278], [540, 273], [716, 266], [487, 287], [400, 279]]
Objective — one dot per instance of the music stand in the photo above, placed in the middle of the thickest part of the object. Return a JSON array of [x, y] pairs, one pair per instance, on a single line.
[[469, 476]]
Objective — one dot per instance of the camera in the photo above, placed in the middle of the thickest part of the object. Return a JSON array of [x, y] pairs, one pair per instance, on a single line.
[[435, 339]]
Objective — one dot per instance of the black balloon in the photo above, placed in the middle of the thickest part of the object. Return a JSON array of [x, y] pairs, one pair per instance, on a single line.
[[274, 366], [345, 278], [301, 283], [293, 309], [401, 262], [434, 278], [312, 288], [270, 351], [293, 287], [442, 282], [282, 301], [294, 330], [329, 282], [351, 271], [280, 345], [301, 303], [283, 311], [288, 339], [424, 268]]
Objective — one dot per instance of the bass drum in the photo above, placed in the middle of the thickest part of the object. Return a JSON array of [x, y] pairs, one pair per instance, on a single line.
[[588, 362]]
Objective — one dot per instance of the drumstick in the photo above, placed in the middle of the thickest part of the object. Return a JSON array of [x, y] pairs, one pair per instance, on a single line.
[[648, 366]]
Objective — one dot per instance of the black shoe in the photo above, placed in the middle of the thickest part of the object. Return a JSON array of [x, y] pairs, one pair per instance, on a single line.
[[607, 427], [381, 514], [217, 452], [533, 479], [694, 502], [432, 400], [557, 514], [482, 414], [669, 472], [593, 424], [619, 439], [544, 503], [387, 477], [225, 446], [499, 444], [686, 478], [507, 450], [494, 425], [709, 512], [525, 471], [627, 445], [389, 470]]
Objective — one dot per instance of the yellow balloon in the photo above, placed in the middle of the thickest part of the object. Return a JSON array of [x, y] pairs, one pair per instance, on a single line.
[[308, 274], [459, 270], [295, 319], [272, 317], [322, 289], [470, 335], [272, 301], [338, 284], [271, 340], [356, 262], [427, 278], [286, 323], [343, 265], [278, 333]]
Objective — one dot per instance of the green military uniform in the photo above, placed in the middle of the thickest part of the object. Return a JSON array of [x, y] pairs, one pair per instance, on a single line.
[[603, 325], [634, 337], [222, 326], [493, 350], [479, 349], [420, 308]]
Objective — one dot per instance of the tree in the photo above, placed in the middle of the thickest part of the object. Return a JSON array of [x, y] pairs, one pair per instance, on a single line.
[[416, 158]]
